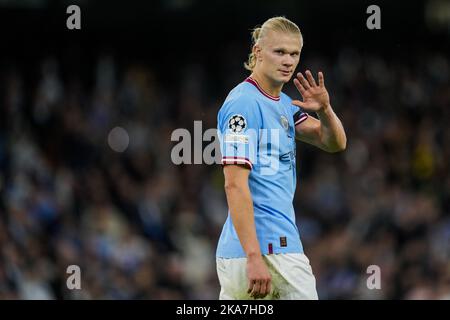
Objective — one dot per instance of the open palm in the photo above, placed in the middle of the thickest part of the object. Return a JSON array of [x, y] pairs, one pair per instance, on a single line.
[[315, 97]]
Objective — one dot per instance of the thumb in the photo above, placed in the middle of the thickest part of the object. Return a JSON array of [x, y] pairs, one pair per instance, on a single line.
[[298, 103]]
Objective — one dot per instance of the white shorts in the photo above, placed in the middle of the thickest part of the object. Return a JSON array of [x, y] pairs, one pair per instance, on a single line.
[[292, 277]]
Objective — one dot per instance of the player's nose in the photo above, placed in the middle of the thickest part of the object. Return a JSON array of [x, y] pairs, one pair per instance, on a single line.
[[288, 61]]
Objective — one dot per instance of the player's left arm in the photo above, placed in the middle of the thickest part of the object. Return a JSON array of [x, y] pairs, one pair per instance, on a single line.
[[327, 133]]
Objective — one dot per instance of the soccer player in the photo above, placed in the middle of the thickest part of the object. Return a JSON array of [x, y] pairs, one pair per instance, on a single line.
[[259, 254]]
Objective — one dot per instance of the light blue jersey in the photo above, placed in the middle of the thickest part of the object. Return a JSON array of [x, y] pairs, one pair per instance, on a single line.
[[258, 130]]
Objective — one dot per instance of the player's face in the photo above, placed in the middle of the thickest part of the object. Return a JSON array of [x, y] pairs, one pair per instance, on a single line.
[[279, 54]]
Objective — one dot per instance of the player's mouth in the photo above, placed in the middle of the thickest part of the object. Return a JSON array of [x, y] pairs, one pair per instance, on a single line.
[[285, 72]]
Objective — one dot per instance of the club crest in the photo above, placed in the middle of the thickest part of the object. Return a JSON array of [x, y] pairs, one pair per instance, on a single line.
[[284, 123]]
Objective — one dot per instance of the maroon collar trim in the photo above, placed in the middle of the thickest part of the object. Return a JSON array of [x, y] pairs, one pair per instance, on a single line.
[[256, 84]]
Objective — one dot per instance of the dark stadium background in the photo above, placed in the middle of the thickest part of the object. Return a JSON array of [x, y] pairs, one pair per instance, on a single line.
[[140, 227]]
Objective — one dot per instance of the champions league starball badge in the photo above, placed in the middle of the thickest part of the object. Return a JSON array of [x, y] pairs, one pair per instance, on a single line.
[[237, 123]]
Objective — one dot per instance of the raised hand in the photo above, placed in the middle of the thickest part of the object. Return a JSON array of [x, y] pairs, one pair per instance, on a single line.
[[315, 97]]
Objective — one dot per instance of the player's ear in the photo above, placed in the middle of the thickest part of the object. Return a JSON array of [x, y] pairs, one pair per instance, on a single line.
[[257, 51]]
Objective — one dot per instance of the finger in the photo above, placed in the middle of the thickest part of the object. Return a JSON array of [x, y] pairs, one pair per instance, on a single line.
[[310, 78], [298, 103], [263, 289], [321, 79], [269, 287], [255, 291], [250, 285], [299, 87], [303, 81]]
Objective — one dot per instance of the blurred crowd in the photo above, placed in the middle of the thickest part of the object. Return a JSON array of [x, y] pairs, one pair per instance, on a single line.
[[140, 227]]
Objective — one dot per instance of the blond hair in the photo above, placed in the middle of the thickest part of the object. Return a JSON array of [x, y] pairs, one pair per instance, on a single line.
[[278, 24]]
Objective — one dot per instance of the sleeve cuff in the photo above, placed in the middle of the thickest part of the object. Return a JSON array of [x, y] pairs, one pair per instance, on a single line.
[[300, 119], [237, 160]]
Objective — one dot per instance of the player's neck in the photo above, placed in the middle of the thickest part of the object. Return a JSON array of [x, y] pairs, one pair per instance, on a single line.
[[267, 85]]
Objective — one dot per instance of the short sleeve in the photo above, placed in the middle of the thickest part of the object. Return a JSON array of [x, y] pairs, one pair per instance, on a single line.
[[238, 125], [298, 114]]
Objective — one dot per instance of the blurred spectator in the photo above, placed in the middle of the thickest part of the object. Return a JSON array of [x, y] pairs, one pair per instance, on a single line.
[[140, 227]]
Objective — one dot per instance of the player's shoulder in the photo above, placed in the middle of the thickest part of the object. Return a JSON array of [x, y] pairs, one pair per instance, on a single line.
[[287, 101], [240, 98], [284, 97]]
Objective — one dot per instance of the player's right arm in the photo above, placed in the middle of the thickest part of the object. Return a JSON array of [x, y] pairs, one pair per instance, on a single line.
[[241, 210], [239, 121]]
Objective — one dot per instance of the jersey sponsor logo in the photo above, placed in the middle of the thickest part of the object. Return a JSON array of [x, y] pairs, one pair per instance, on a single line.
[[237, 123]]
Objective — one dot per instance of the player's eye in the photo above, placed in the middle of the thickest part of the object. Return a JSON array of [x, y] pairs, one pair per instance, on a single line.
[[295, 55], [279, 52]]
